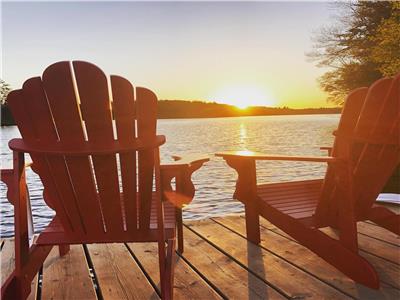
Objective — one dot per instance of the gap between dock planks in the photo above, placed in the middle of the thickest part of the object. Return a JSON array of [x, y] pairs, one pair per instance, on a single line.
[[388, 271], [225, 274], [291, 281], [187, 284], [309, 262]]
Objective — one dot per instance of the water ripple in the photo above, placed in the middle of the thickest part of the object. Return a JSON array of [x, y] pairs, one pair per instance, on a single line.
[[215, 182]]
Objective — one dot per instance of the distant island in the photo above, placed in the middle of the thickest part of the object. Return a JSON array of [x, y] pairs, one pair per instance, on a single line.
[[182, 109]]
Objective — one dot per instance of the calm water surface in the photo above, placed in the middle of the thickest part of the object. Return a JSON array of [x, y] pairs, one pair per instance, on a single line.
[[291, 135]]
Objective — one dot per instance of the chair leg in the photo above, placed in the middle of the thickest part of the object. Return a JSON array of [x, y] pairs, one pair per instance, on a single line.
[[252, 224], [331, 250], [179, 227], [63, 249], [14, 289], [167, 276]]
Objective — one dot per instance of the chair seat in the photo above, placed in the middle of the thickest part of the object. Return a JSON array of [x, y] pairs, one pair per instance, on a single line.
[[297, 199], [55, 234]]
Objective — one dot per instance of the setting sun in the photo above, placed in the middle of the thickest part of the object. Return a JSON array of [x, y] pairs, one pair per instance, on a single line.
[[243, 96]]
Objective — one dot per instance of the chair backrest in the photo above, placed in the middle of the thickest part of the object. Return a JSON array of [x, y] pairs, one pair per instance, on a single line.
[[367, 137], [96, 195]]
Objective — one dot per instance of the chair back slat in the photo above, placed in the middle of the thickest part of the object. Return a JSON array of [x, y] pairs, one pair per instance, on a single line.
[[341, 147], [376, 148], [72, 105], [146, 114], [39, 106], [125, 119], [96, 109], [59, 88], [30, 133], [368, 138]]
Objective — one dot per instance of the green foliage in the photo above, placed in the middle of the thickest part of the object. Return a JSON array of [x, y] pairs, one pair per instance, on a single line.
[[361, 48], [5, 89], [386, 54]]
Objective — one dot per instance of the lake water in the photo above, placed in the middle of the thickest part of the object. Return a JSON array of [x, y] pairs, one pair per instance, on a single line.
[[215, 182]]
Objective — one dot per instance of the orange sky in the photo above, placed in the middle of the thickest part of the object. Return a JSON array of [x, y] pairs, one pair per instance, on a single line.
[[241, 53]]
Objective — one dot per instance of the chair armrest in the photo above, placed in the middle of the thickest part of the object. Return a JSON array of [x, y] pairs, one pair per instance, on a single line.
[[7, 176], [186, 161], [182, 170], [85, 147], [262, 156]]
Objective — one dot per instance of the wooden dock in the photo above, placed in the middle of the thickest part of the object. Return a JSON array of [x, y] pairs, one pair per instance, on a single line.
[[218, 262]]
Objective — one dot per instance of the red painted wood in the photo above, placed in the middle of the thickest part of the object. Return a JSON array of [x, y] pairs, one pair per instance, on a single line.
[[146, 114], [62, 148], [125, 119], [66, 122], [96, 109], [361, 163], [59, 87]]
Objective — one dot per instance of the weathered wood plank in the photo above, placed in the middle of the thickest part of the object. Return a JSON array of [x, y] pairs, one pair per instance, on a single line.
[[229, 277], [289, 279], [8, 264], [67, 277], [374, 246], [377, 247], [34, 287], [307, 260], [379, 233], [7, 259], [388, 272], [187, 284], [118, 274]]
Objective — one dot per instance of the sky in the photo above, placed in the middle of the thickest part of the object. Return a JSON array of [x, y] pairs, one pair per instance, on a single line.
[[241, 53]]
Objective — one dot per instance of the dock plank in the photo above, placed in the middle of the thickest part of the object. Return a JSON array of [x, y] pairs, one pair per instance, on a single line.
[[290, 280], [379, 233], [388, 271], [187, 284], [7, 259], [373, 246], [307, 260], [229, 277], [118, 274], [67, 277]]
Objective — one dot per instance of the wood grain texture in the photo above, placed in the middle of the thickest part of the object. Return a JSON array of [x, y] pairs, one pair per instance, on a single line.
[[308, 261], [187, 284], [67, 277], [229, 277], [388, 272], [266, 265], [118, 274]]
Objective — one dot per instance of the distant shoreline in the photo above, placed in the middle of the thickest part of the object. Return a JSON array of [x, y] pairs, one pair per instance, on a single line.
[[182, 109]]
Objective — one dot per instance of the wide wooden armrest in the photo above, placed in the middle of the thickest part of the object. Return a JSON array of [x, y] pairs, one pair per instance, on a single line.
[[85, 147], [7, 176], [186, 161], [262, 156], [182, 170]]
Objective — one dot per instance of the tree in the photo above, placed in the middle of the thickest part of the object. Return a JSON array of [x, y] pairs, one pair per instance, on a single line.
[[360, 48], [5, 89]]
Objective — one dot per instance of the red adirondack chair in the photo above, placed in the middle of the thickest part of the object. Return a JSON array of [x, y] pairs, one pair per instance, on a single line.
[[103, 189], [365, 153]]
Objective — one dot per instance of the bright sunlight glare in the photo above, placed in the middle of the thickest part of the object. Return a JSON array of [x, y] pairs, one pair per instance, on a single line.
[[244, 96]]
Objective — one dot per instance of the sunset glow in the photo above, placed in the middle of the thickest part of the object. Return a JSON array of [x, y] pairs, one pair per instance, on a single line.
[[243, 96], [252, 57]]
